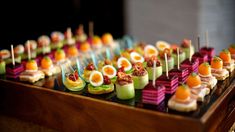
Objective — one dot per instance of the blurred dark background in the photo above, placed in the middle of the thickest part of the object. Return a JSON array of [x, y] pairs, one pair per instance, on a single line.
[[150, 21], [23, 20]]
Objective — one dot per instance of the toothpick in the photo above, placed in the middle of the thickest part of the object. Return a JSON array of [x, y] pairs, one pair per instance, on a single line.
[[190, 52], [166, 61], [198, 43], [12, 55], [29, 53], [178, 58], [207, 38], [91, 29], [69, 33], [154, 72]]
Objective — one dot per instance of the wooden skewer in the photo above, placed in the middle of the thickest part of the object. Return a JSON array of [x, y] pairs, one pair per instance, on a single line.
[[29, 52], [91, 29], [12, 55], [207, 39], [154, 72], [166, 61], [178, 58], [190, 52]]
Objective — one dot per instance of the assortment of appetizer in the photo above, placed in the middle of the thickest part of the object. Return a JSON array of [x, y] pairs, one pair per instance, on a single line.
[[137, 66]]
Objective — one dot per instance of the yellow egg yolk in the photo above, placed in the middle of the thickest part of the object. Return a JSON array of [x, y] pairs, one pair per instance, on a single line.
[[109, 71], [96, 78], [124, 63], [137, 57], [151, 51]]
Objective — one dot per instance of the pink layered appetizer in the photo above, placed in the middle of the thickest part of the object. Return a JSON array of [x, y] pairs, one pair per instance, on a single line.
[[210, 51], [13, 71], [192, 65], [182, 74], [201, 57], [153, 94], [170, 83]]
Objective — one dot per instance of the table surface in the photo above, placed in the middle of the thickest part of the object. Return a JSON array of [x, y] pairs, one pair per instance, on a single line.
[[201, 115]]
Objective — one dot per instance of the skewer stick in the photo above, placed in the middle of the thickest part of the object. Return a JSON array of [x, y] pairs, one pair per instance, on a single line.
[[154, 72], [207, 39], [91, 29], [190, 50], [198, 43], [178, 58], [12, 55], [29, 52], [166, 61]]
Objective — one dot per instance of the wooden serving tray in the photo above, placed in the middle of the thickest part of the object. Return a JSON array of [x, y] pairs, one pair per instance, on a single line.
[[50, 104]]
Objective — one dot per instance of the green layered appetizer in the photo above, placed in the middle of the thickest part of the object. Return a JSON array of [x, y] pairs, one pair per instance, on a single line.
[[140, 76], [150, 69], [124, 86]]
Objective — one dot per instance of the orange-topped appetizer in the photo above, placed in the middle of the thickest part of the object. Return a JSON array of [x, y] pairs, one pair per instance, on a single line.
[[31, 74], [60, 57], [182, 100], [207, 79], [47, 66], [85, 47], [217, 68], [72, 52], [107, 39], [232, 50], [31, 65], [228, 62], [194, 83], [96, 42], [204, 69], [193, 80]]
